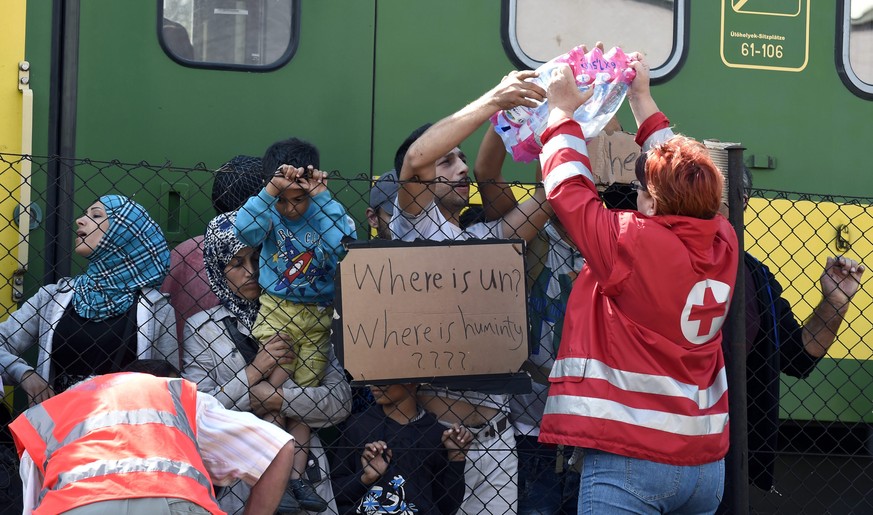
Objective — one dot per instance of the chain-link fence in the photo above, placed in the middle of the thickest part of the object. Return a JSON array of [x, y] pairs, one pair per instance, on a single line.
[[813, 455], [808, 428]]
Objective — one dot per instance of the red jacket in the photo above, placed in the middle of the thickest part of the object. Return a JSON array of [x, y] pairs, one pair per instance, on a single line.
[[117, 436], [640, 371]]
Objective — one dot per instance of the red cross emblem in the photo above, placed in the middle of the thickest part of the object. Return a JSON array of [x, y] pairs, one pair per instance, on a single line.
[[705, 310]]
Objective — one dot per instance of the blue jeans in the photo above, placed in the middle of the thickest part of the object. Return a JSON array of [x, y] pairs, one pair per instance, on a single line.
[[618, 484], [541, 490]]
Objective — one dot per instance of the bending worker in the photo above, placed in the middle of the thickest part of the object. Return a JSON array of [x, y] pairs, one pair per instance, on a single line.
[[133, 443]]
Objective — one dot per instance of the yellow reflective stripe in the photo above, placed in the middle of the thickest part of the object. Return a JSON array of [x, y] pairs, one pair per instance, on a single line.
[[642, 383]]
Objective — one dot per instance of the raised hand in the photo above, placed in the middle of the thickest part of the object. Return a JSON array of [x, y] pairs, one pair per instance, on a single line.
[[639, 94], [640, 84], [563, 93], [313, 180], [599, 45], [283, 178], [375, 460], [457, 440], [516, 90], [841, 280]]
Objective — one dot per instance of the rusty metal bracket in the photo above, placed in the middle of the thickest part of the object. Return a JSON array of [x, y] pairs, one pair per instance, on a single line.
[[844, 238]]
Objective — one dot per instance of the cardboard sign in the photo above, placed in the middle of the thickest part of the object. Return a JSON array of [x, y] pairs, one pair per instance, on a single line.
[[425, 310], [613, 157]]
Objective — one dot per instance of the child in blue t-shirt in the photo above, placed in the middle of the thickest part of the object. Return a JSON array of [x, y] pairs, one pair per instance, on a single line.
[[300, 230]]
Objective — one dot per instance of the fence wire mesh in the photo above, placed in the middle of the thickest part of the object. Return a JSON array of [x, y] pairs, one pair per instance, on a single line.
[[808, 416]]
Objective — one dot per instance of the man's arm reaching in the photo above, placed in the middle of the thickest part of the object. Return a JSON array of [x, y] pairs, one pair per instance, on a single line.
[[419, 164]]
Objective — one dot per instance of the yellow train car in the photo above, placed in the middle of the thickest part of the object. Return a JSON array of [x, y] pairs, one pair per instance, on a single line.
[[16, 103]]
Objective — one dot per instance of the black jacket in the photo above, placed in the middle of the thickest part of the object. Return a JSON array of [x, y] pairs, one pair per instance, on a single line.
[[774, 342], [420, 472]]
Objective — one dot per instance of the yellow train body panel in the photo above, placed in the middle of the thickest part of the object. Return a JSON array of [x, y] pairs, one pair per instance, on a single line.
[[794, 238], [11, 53]]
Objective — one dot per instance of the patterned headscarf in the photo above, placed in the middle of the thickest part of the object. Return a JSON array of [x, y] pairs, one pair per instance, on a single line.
[[133, 254], [220, 245]]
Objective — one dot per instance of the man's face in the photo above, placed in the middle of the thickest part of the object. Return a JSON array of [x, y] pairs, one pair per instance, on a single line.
[[452, 187], [293, 202], [379, 219]]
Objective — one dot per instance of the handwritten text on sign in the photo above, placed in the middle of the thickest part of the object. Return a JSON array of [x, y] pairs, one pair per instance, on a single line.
[[433, 311]]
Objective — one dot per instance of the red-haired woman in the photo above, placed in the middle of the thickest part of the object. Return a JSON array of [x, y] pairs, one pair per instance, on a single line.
[[639, 382]]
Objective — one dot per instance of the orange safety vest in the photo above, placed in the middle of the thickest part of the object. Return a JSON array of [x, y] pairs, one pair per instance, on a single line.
[[116, 436]]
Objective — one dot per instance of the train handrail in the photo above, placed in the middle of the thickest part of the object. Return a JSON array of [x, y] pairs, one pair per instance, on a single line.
[[25, 188]]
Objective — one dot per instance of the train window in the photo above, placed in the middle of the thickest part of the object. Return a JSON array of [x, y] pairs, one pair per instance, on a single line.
[[254, 35], [658, 28], [855, 51]]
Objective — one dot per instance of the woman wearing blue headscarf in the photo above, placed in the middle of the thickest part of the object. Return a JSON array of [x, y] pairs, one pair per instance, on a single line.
[[100, 321]]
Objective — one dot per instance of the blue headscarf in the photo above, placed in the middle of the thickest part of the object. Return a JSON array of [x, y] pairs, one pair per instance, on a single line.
[[133, 254]]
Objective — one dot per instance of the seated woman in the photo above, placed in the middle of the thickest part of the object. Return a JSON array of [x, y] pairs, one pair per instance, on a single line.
[[222, 358], [102, 320]]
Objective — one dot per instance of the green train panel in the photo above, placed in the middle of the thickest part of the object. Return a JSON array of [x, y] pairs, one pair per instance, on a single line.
[[155, 112]]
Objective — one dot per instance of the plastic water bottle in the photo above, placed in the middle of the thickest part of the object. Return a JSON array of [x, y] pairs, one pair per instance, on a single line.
[[611, 83], [520, 128]]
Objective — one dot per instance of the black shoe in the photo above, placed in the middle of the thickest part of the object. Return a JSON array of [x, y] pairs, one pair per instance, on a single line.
[[288, 504], [306, 496]]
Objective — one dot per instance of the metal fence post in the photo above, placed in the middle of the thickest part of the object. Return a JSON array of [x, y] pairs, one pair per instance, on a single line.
[[737, 473]]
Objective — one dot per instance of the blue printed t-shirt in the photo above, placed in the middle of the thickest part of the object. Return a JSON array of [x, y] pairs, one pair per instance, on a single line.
[[298, 258]]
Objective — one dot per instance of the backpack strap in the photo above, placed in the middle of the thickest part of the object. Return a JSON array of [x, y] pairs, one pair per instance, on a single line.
[[246, 345]]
